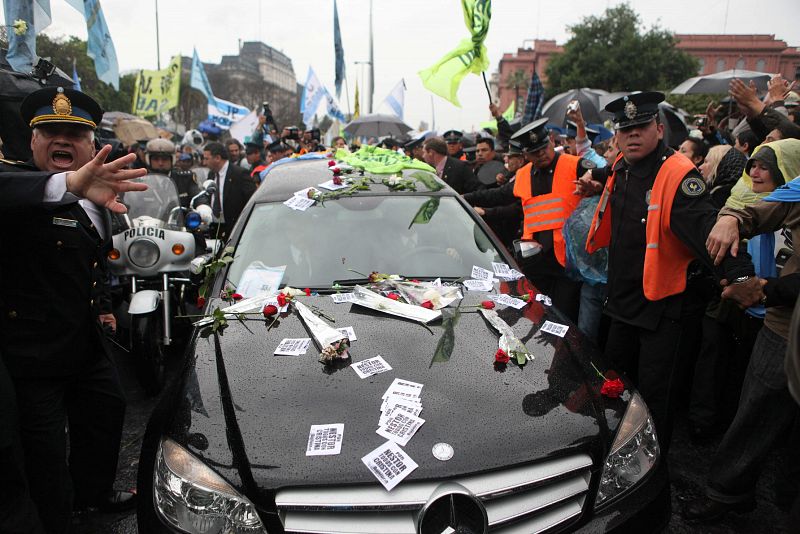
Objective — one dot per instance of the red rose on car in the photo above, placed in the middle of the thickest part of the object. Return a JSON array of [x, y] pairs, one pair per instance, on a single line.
[[393, 296], [307, 292], [487, 305], [612, 388], [337, 180], [282, 300], [201, 302], [501, 357], [427, 304], [331, 163], [269, 310]]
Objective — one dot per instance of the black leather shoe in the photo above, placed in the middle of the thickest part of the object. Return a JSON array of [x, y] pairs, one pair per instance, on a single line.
[[117, 501], [704, 509]]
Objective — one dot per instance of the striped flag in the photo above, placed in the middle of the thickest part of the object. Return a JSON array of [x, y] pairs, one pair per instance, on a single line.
[[534, 100]]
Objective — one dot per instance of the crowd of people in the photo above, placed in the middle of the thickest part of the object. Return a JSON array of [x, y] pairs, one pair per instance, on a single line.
[[665, 287]]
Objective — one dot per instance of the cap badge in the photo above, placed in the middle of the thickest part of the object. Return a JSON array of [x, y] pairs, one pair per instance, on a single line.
[[534, 137], [630, 110], [62, 105]]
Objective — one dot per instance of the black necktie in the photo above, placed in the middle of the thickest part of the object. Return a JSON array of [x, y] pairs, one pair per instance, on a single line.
[[216, 208]]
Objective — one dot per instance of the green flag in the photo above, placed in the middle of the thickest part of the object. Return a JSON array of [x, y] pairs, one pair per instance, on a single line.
[[470, 55], [425, 212], [508, 114]]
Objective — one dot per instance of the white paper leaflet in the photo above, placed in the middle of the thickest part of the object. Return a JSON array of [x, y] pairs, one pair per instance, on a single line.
[[348, 332], [394, 404], [404, 388], [502, 270], [389, 464], [332, 186], [299, 203], [544, 299], [478, 285], [559, 330], [293, 346], [400, 427], [340, 298], [259, 279], [479, 273], [371, 366], [325, 440], [508, 300]]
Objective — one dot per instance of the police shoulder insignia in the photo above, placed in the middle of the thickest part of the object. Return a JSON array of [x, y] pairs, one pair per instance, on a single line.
[[693, 186]]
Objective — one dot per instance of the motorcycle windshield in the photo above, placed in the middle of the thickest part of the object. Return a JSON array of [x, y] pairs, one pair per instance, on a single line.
[[156, 206]]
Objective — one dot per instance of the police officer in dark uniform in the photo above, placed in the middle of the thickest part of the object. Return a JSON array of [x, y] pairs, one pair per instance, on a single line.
[[662, 215], [535, 179], [254, 154], [455, 144], [51, 280], [160, 158]]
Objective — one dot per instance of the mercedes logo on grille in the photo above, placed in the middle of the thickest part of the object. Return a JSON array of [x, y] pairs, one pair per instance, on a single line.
[[452, 509]]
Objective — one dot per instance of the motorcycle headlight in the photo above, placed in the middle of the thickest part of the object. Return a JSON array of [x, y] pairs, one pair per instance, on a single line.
[[143, 253], [633, 453], [192, 497]]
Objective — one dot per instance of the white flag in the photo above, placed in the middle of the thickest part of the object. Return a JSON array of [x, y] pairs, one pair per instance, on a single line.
[[243, 128], [396, 98], [224, 114], [313, 93]]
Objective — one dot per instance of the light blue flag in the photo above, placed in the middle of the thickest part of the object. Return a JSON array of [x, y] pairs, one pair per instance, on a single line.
[[396, 99], [100, 47], [24, 19], [313, 93], [333, 110], [223, 113], [76, 81], [199, 80]]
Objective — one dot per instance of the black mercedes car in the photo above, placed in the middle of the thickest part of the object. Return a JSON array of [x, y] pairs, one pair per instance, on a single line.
[[504, 448]]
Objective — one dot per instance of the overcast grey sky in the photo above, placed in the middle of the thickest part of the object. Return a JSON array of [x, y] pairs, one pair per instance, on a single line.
[[409, 35]]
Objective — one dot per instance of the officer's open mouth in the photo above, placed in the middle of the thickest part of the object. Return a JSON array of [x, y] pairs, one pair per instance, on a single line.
[[61, 157]]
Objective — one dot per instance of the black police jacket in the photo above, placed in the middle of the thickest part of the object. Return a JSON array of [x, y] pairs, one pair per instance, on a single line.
[[51, 279]]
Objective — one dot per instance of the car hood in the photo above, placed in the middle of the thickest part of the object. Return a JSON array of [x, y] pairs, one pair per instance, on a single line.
[[247, 413]]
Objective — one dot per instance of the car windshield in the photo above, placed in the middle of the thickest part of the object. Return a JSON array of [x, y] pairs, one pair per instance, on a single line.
[[156, 203], [361, 234]]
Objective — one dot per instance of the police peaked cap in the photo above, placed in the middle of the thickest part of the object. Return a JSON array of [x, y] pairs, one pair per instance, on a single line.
[[453, 136], [634, 109], [533, 135], [60, 105]]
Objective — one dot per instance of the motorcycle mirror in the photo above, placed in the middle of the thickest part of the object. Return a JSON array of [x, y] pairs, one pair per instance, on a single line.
[[210, 186]]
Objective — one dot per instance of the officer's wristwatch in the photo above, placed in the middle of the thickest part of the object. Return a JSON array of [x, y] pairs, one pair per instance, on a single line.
[[741, 279]]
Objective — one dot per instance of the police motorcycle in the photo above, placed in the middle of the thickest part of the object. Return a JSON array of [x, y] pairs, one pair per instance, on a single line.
[[152, 254]]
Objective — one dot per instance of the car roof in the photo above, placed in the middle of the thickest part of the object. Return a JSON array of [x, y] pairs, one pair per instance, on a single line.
[[282, 180]]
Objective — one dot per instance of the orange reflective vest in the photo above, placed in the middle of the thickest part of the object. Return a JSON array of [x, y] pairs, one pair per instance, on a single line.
[[549, 211], [666, 258]]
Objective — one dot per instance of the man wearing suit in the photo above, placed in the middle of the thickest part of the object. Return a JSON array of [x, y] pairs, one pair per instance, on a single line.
[[51, 282], [454, 172], [234, 187]]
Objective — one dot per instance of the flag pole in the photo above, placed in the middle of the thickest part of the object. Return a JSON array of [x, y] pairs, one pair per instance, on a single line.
[[158, 43], [486, 84]]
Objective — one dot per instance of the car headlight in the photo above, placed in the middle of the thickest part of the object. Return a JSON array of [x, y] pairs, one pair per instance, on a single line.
[[143, 253], [192, 497], [633, 453]]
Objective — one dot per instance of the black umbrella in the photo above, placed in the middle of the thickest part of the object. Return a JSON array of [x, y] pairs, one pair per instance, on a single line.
[[719, 82], [14, 87], [556, 108], [377, 125]]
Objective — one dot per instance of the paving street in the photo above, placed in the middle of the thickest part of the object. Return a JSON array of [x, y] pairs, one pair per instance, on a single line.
[[688, 463]]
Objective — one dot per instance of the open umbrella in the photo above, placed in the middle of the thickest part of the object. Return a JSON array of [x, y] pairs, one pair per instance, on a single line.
[[556, 107], [377, 125], [719, 81]]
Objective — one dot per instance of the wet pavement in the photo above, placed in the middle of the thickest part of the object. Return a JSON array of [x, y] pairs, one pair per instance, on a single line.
[[689, 464]]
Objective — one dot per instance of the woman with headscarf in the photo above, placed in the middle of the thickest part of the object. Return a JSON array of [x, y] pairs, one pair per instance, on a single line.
[[766, 410], [722, 168]]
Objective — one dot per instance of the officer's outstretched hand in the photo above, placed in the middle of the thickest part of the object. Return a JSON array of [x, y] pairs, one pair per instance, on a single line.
[[586, 187], [100, 182], [746, 294], [724, 236]]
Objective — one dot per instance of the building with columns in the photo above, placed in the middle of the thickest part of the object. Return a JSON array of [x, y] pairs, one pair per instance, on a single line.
[[716, 53]]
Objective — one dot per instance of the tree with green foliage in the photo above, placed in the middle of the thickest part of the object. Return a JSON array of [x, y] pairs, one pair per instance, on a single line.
[[615, 53], [518, 81], [62, 51]]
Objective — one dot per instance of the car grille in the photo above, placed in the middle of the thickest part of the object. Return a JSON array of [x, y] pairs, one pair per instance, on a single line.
[[519, 500]]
